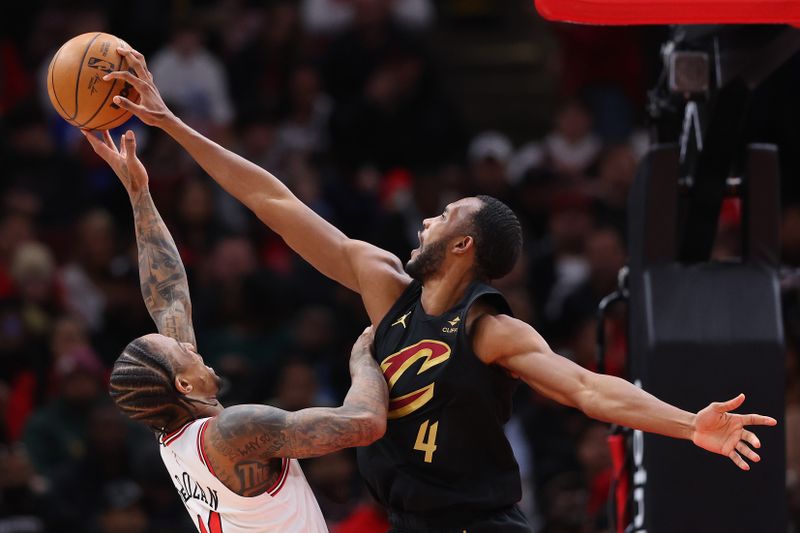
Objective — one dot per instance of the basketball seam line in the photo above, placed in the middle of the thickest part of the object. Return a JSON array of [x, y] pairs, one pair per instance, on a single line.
[[119, 67], [53, 82], [124, 112], [80, 70]]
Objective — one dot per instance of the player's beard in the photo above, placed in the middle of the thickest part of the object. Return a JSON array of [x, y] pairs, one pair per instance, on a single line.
[[428, 260], [223, 386]]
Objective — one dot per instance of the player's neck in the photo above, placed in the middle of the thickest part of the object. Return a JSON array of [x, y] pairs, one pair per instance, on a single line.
[[205, 407], [202, 411], [442, 291]]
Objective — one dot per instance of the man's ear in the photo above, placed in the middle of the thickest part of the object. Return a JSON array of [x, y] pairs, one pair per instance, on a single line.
[[463, 244], [183, 385]]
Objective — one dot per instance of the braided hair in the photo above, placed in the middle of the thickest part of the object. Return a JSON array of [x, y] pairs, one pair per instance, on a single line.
[[142, 386]]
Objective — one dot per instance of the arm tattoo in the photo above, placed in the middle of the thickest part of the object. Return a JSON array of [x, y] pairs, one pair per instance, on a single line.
[[165, 288], [248, 440]]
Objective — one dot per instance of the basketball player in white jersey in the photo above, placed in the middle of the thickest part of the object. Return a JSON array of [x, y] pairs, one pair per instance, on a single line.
[[235, 469]]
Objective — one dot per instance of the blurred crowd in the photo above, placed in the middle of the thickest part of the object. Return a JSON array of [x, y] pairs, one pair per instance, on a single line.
[[343, 101]]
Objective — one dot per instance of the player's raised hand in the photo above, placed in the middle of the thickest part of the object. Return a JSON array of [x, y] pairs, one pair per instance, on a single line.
[[151, 108], [123, 161], [719, 431]]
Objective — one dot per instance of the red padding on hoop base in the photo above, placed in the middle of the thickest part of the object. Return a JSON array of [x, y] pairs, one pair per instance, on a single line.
[[625, 12]]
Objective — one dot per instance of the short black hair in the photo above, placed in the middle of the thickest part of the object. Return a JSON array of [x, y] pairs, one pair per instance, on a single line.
[[142, 386], [498, 238]]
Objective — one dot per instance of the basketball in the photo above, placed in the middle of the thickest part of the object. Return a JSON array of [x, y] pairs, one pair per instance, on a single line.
[[76, 86]]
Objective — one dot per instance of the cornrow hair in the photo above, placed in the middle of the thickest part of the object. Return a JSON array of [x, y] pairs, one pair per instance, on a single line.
[[498, 238], [142, 386]]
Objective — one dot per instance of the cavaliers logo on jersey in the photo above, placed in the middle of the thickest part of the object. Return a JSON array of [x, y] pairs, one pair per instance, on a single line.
[[394, 366]]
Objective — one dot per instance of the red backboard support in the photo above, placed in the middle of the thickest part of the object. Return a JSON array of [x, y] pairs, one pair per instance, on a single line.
[[626, 12]]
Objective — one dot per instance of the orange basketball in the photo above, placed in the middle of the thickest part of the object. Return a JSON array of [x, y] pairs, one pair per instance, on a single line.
[[75, 81]]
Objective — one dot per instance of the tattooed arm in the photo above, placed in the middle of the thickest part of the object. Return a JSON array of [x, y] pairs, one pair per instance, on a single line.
[[165, 288], [245, 443]]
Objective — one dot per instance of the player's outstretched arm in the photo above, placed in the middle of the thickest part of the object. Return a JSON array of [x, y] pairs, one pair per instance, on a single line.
[[374, 273], [245, 438], [162, 276], [517, 347]]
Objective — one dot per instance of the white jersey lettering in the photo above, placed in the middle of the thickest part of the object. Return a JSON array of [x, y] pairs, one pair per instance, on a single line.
[[288, 506]]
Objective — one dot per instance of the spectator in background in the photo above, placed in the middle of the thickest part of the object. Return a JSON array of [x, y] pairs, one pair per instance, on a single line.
[[514, 286], [534, 185], [399, 117], [297, 387], [27, 319], [305, 128], [331, 478], [94, 280], [68, 335], [121, 510], [595, 460], [329, 17], [257, 137], [352, 57], [558, 264], [196, 225], [303, 178], [489, 154], [21, 492], [616, 173], [565, 497], [21, 362], [571, 147], [262, 55], [77, 489], [189, 75], [56, 433], [15, 229], [29, 367], [229, 310], [606, 66], [15, 84], [33, 271], [605, 256], [33, 165]]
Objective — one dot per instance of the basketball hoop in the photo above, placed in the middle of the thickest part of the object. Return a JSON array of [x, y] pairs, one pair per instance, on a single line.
[[632, 12]]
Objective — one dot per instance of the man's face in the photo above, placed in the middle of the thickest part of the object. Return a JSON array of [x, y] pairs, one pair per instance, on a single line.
[[188, 364], [437, 234]]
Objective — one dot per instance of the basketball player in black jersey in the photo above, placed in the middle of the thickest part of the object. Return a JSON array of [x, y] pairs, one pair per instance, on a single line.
[[448, 346]]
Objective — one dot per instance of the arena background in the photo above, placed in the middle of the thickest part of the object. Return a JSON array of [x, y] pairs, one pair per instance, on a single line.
[[376, 114]]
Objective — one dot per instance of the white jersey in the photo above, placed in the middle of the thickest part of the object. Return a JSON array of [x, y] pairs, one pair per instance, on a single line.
[[288, 506]]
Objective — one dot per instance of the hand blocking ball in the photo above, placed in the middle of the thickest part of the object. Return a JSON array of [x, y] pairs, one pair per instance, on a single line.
[[75, 81]]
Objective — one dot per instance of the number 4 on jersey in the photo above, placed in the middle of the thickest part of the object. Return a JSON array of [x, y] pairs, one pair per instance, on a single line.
[[426, 439], [214, 523]]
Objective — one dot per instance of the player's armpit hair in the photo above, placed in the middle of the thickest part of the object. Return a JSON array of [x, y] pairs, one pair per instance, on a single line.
[[142, 386]]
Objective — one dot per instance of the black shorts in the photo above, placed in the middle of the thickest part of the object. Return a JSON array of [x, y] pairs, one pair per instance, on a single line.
[[509, 520]]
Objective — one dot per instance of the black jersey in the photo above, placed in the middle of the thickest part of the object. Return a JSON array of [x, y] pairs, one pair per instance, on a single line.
[[444, 453]]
